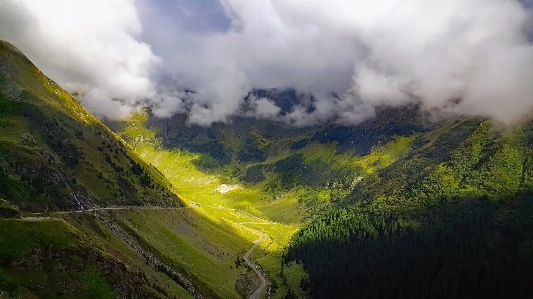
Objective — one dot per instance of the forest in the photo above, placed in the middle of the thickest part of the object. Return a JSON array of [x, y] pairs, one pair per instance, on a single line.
[[458, 225]]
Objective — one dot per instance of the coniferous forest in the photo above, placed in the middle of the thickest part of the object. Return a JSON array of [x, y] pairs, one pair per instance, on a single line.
[[448, 222]]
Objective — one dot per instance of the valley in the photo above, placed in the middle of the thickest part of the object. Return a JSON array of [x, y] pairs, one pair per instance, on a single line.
[[145, 207]]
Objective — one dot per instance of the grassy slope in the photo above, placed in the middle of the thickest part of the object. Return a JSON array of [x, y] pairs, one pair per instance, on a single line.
[[191, 240], [293, 184], [99, 234], [199, 188], [204, 247], [55, 155], [51, 138], [52, 259]]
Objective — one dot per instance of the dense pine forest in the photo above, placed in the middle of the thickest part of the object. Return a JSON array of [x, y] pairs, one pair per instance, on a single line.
[[451, 220]]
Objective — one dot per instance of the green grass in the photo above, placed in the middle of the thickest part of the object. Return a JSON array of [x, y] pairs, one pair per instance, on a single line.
[[19, 237], [202, 242], [95, 286], [203, 247], [99, 235], [49, 258], [226, 222]]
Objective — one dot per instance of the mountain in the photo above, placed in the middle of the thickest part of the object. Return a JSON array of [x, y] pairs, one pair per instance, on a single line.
[[57, 159], [54, 155], [394, 207], [452, 219], [399, 206], [275, 160]]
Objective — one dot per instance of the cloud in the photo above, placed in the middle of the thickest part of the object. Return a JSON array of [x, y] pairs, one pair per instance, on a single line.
[[467, 57], [88, 47], [262, 108], [343, 57]]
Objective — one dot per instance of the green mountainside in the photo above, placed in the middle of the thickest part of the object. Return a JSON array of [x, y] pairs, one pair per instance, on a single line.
[[452, 219], [56, 156], [283, 170], [49, 258], [292, 178]]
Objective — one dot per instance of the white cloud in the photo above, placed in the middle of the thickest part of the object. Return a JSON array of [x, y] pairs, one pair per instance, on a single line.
[[464, 56], [474, 53], [87, 46], [263, 108]]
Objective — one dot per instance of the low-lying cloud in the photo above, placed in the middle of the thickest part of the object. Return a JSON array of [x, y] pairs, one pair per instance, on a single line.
[[347, 57], [88, 47]]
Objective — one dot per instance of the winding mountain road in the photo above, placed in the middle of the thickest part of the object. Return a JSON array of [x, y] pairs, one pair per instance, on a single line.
[[131, 208], [34, 218], [257, 293]]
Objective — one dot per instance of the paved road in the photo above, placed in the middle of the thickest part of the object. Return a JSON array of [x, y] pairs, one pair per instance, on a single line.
[[130, 208], [42, 217], [257, 292], [35, 218]]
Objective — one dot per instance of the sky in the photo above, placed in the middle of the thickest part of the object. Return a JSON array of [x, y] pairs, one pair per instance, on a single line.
[[204, 57]]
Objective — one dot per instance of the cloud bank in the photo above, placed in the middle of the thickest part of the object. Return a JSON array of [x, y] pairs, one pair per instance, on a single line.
[[88, 47], [345, 57]]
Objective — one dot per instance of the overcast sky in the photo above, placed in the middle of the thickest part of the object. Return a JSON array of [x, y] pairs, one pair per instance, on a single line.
[[471, 57]]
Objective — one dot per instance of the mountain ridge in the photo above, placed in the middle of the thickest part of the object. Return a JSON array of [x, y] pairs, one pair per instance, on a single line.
[[52, 148]]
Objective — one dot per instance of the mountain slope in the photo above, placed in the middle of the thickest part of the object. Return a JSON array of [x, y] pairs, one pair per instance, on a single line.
[[247, 168], [48, 258], [452, 219], [57, 159], [56, 156]]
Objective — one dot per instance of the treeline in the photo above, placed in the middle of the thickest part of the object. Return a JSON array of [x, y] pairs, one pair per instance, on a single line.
[[447, 222]]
